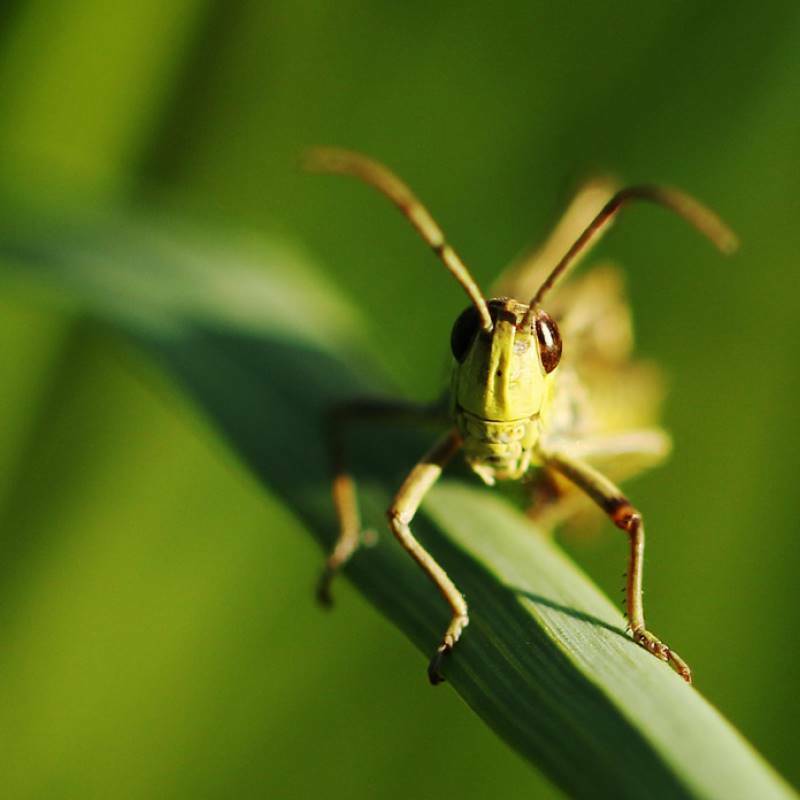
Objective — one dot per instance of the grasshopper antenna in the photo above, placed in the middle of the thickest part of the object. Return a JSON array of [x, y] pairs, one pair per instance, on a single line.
[[694, 212], [345, 162]]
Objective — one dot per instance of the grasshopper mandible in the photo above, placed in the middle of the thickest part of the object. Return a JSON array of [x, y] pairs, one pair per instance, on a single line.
[[517, 410]]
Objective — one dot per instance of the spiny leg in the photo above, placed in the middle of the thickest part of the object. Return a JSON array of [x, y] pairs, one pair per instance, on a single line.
[[401, 512], [620, 455], [343, 486], [627, 518]]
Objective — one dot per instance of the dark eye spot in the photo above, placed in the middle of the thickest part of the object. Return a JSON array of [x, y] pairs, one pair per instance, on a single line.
[[549, 341], [464, 331]]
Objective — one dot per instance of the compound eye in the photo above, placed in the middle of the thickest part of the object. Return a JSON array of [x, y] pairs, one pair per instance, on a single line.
[[549, 341], [464, 331]]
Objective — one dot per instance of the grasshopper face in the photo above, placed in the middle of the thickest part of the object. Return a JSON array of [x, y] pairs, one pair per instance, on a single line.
[[503, 375], [501, 385]]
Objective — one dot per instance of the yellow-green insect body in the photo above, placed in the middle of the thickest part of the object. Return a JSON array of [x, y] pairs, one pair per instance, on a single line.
[[500, 389], [510, 412]]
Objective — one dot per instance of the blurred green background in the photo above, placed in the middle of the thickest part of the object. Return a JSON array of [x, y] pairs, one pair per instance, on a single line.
[[159, 636]]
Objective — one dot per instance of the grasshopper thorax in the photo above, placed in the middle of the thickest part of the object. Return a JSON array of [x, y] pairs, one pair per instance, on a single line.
[[501, 385]]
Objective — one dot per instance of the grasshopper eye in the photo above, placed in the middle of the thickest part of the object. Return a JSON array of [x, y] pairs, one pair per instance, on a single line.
[[549, 341], [464, 331]]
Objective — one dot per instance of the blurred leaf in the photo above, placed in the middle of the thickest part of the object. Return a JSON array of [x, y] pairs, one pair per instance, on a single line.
[[83, 111], [87, 110], [265, 346]]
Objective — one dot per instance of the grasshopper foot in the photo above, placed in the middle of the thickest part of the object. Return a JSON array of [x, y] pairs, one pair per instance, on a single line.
[[661, 651], [434, 668], [323, 593], [346, 545], [457, 625]]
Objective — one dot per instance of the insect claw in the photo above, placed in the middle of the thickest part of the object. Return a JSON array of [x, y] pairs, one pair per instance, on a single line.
[[324, 597], [434, 672], [680, 666]]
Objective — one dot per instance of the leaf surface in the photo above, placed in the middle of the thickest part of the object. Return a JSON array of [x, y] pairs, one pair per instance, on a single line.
[[264, 346]]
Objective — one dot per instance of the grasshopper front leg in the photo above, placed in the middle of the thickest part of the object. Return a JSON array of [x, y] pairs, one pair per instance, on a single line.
[[345, 501], [622, 513], [401, 512]]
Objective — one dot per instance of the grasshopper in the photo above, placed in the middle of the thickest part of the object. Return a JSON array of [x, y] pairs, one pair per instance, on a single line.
[[522, 407]]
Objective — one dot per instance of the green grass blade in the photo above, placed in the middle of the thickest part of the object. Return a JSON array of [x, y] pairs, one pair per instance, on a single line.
[[265, 346]]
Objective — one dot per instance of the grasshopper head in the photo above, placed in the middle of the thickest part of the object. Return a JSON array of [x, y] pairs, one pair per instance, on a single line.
[[502, 375]]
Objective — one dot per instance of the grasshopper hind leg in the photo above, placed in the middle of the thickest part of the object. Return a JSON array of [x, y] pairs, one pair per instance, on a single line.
[[523, 277]]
